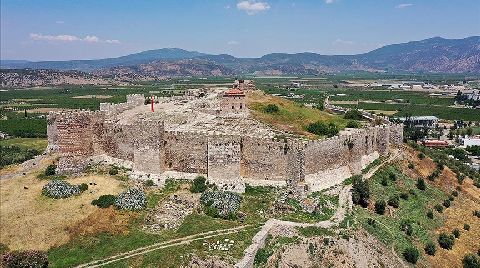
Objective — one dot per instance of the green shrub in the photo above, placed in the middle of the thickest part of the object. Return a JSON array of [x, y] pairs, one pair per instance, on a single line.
[[471, 261], [320, 128], [404, 196], [394, 201], [262, 256], [380, 207], [51, 170], [104, 201], [113, 171], [384, 181], [456, 233], [83, 187], [446, 203], [439, 208], [406, 226], [466, 227], [371, 221], [352, 124], [353, 115], [421, 184], [421, 156], [271, 108], [430, 248], [410, 165], [199, 185], [21, 259], [430, 214], [149, 183], [446, 241], [411, 254], [460, 178], [360, 191]]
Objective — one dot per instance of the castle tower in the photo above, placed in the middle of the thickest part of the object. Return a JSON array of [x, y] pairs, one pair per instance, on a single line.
[[233, 102]]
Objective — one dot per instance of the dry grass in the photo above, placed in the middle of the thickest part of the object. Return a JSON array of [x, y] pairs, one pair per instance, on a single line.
[[31, 221], [447, 181], [468, 242], [292, 117], [456, 216], [107, 220]]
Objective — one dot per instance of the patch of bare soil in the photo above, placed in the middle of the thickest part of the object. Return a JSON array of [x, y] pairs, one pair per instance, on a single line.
[[207, 262], [170, 213], [32, 221], [360, 250]]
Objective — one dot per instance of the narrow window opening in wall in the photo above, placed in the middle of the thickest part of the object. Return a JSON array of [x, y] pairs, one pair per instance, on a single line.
[[241, 106], [233, 107], [366, 140]]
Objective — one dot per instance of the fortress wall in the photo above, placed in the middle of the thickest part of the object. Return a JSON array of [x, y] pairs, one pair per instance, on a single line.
[[115, 140], [113, 109], [185, 151], [148, 155], [75, 139], [52, 132], [224, 154], [264, 159]]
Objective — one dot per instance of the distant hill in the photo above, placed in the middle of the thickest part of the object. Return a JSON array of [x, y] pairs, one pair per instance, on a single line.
[[437, 55]]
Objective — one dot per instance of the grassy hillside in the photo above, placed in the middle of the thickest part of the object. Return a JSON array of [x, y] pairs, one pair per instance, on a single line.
[[291, 116]]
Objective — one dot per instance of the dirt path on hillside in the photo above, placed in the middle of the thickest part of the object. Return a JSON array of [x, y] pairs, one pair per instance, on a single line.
[[162, 245]]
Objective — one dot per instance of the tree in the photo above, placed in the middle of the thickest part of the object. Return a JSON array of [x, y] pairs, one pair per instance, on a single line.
[[456, 233], [446, 241], [380, 207], [471, 261], [199, 185], [353, 114], [51, 170], [421, 184], [360, 191], [411, 254], [430, 248], [271, 108]]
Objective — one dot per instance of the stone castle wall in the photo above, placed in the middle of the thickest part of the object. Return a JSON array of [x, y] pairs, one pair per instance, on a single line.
[[79, 135]]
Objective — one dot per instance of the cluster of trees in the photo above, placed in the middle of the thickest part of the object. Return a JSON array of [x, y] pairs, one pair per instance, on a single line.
[[322, 129]]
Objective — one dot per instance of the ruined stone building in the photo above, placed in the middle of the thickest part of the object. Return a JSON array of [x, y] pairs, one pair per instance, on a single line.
[[188, 136]]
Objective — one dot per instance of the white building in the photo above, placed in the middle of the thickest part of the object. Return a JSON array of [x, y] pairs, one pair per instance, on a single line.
[[471, 141]]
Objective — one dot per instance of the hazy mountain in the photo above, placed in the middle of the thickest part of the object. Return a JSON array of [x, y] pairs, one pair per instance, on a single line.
[[430, 55]]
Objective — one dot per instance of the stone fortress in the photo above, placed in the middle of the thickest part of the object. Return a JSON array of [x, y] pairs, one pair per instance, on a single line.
[[210, 132]]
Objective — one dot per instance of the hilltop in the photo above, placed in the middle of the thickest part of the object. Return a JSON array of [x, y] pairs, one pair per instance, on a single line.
[[438, 55]]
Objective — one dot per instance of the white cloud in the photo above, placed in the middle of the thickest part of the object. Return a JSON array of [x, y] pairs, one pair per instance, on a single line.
[[63, 37], [71, 38], [232, 43], [253, 7], [91, 39], [403, 5], [59, 22], [329, 1], [343, 42]]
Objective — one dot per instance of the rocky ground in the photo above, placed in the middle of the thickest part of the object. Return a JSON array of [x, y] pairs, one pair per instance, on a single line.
[[171, 213]]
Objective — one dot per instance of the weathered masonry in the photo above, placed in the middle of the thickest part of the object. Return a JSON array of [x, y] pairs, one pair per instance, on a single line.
[[161, 145]]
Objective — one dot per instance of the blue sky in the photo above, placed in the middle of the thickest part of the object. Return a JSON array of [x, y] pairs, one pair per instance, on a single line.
[[88, 29]]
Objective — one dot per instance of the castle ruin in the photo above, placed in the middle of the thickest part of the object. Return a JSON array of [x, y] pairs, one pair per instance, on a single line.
[[210, 133]]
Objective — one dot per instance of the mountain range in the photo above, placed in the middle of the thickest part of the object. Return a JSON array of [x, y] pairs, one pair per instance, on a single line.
[[437, 55]]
